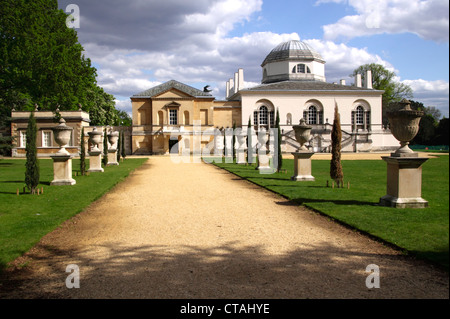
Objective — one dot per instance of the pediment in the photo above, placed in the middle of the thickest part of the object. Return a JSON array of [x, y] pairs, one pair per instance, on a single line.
[[173, 94]]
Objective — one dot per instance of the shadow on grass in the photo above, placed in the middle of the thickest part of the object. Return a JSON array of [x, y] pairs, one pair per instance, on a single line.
[[301, 201], [230, 270]]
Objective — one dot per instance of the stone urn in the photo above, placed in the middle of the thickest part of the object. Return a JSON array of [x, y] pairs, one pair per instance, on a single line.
[[112, 139], [62, 134], [404, 125], [241, 140], [302, 134], [95, 137]]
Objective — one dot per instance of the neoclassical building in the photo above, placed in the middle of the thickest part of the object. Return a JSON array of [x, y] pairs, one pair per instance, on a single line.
[[293, 82]]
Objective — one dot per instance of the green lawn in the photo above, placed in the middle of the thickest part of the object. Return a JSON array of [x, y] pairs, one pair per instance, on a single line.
[[26, 218], [421, 232]]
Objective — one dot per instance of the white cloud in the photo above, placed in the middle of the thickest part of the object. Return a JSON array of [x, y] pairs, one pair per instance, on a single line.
[[429, 19], [140, 44], [431, 93]]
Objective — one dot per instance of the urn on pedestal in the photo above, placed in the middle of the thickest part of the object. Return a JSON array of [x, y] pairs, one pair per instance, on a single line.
[[62, 160], [113, 137], [95, 154], [302, 158], [404, 167]]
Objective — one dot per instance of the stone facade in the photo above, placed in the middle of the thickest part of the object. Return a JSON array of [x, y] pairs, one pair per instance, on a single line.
[[293, 82], [45, 121]]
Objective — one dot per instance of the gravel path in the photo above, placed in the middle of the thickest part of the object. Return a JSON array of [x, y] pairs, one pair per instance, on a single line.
[[196, 231]]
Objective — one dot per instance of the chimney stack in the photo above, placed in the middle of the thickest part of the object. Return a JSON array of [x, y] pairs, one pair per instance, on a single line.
[[369, 79], [358, 80], [241, 79]]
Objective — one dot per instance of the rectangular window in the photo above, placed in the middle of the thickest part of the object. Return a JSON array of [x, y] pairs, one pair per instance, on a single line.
[[23, 139], [173, 117], [46, 139], [320, 117]]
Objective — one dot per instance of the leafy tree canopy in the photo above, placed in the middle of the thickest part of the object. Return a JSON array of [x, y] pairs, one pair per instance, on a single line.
[[42, 62], [383, 79]]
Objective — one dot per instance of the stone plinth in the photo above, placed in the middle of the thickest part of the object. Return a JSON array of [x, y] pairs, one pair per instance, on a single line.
[[95, 161], [241, 159], [112, 157], [404, 182], [62, 170], [302, 166]]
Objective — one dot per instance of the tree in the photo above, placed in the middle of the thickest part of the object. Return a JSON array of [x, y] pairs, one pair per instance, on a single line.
[[336, 172], [5, 144], [233, 141], [105, 148], [428, 124], [42, 61], [119, 145], [442, 132], [249, 142], [278, 128], [383, 79], [31, 166], [123, 146], [82, 154]]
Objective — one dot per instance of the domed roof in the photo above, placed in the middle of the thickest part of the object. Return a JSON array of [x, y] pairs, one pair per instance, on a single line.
[[292, 50]]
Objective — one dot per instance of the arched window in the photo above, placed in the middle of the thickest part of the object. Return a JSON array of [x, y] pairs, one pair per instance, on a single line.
[[186, 117], [312, 115], [289, 119], [160, 118], [360, 119], [263, 115], [360, 115], [301, 68]]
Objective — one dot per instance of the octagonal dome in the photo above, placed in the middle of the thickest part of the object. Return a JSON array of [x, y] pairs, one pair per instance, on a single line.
[[292, 50]]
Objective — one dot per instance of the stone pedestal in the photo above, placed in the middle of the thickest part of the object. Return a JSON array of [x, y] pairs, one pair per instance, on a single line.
[[241, 159], [112, 157], [95, 161], [62, 170], [302, 166], [404, 182]]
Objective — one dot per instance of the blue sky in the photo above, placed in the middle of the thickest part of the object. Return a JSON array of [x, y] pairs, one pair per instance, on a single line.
[[139, 44]]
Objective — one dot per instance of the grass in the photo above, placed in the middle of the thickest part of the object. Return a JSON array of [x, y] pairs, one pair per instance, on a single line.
[[26, 218], [420, 232]]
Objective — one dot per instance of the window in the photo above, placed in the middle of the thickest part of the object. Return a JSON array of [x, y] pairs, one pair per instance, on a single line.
[[289, 119], [160, 118], [359, 115], [301, 68], [186, 117], [312, 115], [263, 115], [23, 139], [46, 139], [173, 117]]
